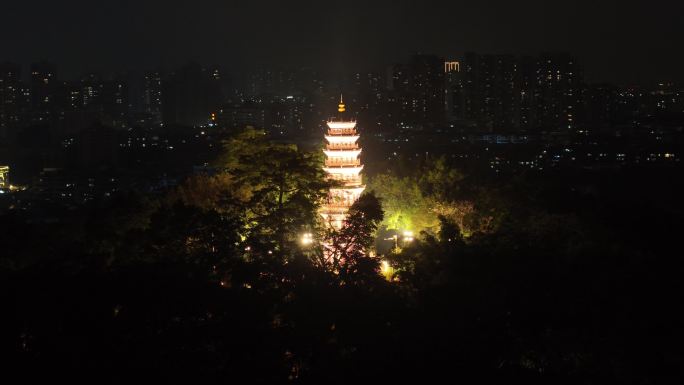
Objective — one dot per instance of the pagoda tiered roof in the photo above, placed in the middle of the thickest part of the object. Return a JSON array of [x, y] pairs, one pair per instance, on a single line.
[[342, 164]]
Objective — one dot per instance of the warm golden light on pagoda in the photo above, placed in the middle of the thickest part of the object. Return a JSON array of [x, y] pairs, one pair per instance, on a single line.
[[341, 107], [342, 164]]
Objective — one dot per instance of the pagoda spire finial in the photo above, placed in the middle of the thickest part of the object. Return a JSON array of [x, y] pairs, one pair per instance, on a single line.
[[341, 107]]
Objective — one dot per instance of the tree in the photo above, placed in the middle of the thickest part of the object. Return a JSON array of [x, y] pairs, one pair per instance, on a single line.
[[404, 204], [347, 249], [274, 189], [287, 187], [218, 192], [416, 202], [183, 234], [439, 180]]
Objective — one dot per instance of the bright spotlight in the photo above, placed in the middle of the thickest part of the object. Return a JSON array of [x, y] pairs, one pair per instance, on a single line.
[[307, 239], [408, 236], [386, 270]]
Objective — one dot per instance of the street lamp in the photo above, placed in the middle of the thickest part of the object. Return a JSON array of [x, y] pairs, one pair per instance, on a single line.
[[408, 236], [394, 238], [307, 239], [386, 270]]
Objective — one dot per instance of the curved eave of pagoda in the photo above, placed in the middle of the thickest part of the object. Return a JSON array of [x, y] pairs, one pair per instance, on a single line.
[[356, 170], [334, 125], [346, 184], [342, 153], [342, 138], [353, 190]]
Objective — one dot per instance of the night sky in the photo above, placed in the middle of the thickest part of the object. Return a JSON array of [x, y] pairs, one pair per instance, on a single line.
[[618, 41]]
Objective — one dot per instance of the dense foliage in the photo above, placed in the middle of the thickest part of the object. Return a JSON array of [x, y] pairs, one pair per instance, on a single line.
[[565, 279]]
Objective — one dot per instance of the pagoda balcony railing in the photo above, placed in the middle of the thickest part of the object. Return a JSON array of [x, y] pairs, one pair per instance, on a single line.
[[338, 146], [338, 206], [349, 182], [342, 163], [335, 208], [342, 131]]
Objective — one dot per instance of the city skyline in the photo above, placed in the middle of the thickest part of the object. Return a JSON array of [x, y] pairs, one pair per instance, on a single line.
[[313, 192], [625, 43]]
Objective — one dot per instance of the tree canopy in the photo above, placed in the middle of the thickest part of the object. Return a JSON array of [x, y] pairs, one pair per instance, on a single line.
[[513, 280]]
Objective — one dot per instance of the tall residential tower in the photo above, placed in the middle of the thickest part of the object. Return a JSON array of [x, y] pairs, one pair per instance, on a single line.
[[4, 178]]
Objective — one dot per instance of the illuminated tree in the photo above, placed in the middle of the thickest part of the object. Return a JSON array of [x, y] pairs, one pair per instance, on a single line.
[[405, 206], [287, 186], [348, 248], [275, 190], [416, 202]]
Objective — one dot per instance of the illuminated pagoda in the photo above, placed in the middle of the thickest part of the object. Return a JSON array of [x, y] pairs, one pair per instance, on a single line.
[[342, 164]]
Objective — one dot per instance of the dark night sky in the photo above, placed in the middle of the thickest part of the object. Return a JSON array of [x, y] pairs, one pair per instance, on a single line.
[[620, 41]]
